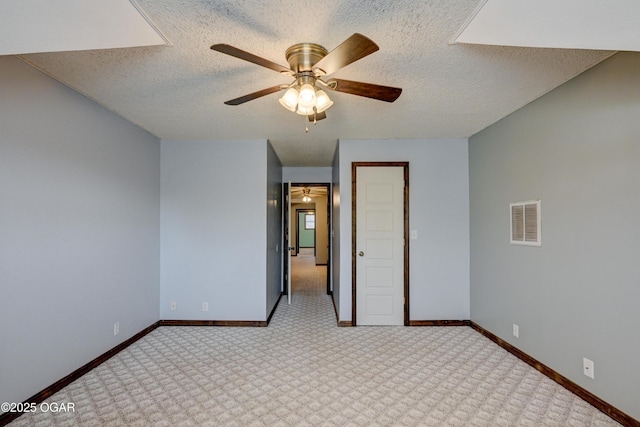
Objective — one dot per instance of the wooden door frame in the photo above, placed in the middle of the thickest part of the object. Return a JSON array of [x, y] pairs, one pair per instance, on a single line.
[[315, 240], [286, 238], [354, 166]]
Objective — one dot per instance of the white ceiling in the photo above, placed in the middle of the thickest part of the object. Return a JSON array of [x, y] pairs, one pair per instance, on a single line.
[[611, 24], [450, 90], [28, 26], [314, 192]]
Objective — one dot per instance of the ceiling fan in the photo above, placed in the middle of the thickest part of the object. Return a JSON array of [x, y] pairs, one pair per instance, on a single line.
[[309, 65], [307, 194]]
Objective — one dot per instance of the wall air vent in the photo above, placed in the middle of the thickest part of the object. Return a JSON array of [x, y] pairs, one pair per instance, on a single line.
[[525, 223]]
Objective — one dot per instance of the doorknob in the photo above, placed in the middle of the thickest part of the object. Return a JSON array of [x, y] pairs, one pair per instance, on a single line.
[[361, 253]]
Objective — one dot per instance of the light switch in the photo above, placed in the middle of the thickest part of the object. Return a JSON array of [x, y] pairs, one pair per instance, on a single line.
[[414, 234]]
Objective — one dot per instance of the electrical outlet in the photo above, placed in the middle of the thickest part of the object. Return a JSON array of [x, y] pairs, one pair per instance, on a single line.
[[516, 331], [588, 367], [205, 306], [116, 328], [173, 306]]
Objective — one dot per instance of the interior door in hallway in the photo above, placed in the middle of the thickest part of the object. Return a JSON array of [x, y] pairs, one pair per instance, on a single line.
[[380, 240]]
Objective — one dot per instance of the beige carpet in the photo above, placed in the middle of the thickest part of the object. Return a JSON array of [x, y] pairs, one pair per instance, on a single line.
[[305, 371]]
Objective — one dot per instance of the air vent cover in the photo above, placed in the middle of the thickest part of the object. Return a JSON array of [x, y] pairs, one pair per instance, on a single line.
[[525, 223]]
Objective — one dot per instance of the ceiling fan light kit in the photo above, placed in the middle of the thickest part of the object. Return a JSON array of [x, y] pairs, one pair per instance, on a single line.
[[322, 100], [290, 99], [306, 197], [309, 63], [305, 101]]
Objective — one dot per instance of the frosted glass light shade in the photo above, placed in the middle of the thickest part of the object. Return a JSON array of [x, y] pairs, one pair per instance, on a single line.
[[307, 96], [304, 111], [290, 99], [306, 100], [322, 101]]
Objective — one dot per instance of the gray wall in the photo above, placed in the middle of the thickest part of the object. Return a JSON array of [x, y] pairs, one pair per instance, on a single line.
[[322, 233], [214, 229], [306, 175], [79, 230], [438, 210], [577, 295], [274, 228]]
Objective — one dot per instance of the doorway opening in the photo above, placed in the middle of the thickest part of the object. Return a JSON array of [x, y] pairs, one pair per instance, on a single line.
[[307, 225], [306, 232]]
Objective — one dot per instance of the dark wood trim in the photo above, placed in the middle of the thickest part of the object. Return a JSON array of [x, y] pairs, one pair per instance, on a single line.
[[329, 238], [439, 323], [341, 323], [273, 310], [354, 165], [240, 323], [582, 393], [589, 397], [315, 241], [286, 238], [309, 184], [39, 397], [406, 244], [405, 166]]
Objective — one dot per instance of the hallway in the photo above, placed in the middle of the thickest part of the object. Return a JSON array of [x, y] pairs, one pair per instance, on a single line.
[[306, 276]]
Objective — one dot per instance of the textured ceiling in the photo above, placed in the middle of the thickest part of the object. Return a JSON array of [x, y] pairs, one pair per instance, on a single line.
[[28, 26], [449, 90], [611, 24], [314, 192]]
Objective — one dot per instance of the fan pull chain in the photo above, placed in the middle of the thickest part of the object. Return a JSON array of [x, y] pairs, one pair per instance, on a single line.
[[306, 126]]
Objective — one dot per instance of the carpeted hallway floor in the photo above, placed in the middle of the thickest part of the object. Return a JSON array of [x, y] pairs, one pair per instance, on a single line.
[[303, 370]]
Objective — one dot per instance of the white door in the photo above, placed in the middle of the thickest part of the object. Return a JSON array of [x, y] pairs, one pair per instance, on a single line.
[[380, 245]]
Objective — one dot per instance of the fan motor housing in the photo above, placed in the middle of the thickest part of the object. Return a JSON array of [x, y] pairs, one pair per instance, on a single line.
[[303, 56]]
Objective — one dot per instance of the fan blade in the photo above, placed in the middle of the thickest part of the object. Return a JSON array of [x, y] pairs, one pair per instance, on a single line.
[[238, 53], [355, 47], [253, 95], [317, 117], [370, 90]]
